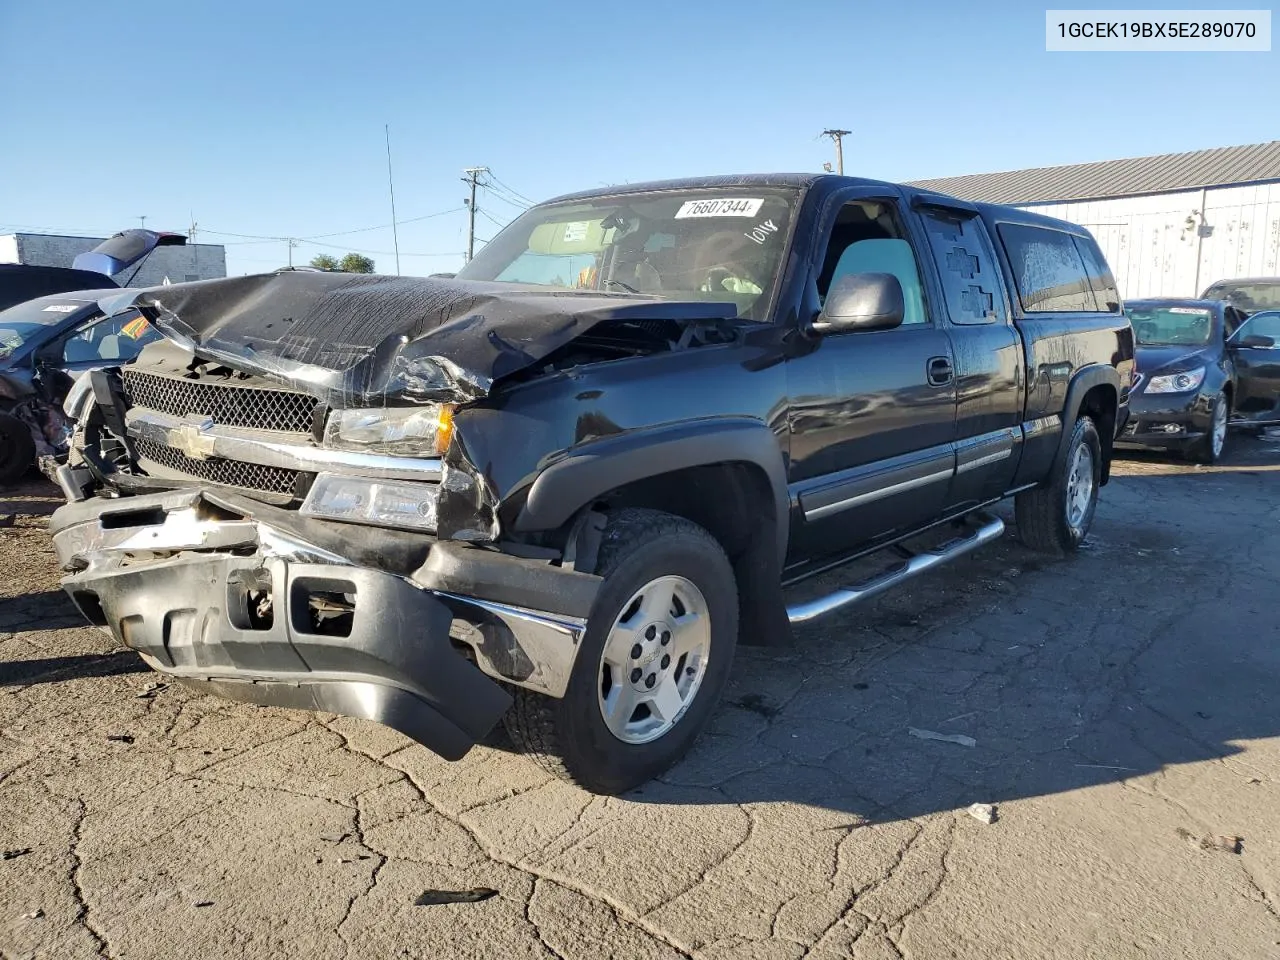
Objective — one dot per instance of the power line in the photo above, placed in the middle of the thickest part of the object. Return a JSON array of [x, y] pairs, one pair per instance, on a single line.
[[383, 253], [494, 220], [337, 233], [511, 190]]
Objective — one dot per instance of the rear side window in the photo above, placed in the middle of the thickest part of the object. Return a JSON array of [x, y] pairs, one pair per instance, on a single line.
[[1105, 291], [1048, 270]]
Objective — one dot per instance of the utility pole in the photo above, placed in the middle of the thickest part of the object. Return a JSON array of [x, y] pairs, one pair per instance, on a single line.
[[395, 235], [472, 175], [143, 221], [195, 249], [837, 136], [291, 243]]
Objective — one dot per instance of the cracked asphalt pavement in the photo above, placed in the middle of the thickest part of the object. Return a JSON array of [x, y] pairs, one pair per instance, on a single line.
[[1124, 706]]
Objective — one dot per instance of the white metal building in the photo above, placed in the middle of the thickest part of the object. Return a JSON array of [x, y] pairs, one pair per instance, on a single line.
[[194, 261], [1170, 225]]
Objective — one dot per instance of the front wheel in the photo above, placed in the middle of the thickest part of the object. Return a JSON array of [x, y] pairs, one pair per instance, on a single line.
[[1054, 518], [656, 655], [1208, 449]]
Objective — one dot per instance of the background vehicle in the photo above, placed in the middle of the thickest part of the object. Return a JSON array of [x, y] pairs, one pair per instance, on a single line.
[[1248, 295], [46, 343], [582, 468], [1203, 366]]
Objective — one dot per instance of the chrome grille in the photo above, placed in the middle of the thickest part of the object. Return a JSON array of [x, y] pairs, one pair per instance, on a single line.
[[232, 473], [253, 407]]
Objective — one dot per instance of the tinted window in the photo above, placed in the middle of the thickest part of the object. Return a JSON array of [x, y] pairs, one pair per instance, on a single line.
[[966, 266], [1249, 297], [116, 339], [1264, 324], [1048, 270], [1101, 279]]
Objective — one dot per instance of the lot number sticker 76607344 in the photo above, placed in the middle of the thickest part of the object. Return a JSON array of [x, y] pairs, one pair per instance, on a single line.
[[723, 207]]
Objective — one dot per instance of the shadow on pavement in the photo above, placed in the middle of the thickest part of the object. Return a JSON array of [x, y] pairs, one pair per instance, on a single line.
[[1146, 650], [56, 669]]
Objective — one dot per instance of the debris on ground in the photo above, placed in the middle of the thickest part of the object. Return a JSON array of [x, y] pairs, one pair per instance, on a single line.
[[986, 812], [959, 738], [150, 690], [1221, 842], [203, 903], [334, 837], [35, 914], [15, 854], [120, 738], [431, 898]]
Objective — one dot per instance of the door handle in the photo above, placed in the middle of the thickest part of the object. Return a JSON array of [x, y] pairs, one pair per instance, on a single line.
[[940, 371]]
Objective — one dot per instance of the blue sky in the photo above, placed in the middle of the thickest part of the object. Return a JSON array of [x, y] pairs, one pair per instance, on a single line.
[[266, 118]]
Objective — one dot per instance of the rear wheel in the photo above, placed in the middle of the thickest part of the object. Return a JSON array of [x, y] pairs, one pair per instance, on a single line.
[[1055, 518], [655, 657], [1208, 449], [17, 449]]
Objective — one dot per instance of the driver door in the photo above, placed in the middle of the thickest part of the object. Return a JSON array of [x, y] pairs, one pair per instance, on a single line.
[[1257, 366]]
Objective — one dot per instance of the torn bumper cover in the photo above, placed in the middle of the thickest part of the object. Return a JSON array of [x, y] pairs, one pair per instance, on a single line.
[[238, 608]]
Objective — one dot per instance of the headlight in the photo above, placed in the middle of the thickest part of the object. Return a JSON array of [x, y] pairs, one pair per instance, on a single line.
[[1176, 382], [395, 430], [382, 503]]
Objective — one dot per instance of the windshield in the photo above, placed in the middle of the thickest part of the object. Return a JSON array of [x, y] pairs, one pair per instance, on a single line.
[[1191, 326], [1249, 297], [28, 321], [715, 245]]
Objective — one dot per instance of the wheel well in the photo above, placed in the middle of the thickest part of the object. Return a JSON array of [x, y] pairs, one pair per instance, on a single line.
[[732, 501], [1100, 404], [1229, 392]]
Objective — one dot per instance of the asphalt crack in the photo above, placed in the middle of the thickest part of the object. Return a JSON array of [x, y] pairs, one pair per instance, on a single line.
[[84, 915], [622, 914]]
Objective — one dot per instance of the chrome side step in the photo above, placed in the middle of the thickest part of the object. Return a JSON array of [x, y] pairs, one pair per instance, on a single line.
[[991, 529]]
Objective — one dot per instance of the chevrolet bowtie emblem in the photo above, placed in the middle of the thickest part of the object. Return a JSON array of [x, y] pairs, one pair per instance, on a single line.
[[193, 439]]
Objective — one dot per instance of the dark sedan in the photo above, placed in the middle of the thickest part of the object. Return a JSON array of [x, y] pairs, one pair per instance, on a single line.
[[44, 345], [1203, 366]]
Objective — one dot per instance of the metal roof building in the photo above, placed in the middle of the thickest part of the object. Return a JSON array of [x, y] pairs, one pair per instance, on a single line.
[[1169, 224]]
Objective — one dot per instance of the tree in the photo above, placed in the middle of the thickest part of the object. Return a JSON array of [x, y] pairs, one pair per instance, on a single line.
[[323, 261], [355, 263]]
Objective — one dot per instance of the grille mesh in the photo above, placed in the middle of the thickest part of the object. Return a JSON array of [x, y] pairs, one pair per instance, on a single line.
[[233, 473], [251, 407]]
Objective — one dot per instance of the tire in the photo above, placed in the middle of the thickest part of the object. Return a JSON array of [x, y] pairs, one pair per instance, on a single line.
[[1208, 449], [1054, 518], [17, 449], [643, 552]]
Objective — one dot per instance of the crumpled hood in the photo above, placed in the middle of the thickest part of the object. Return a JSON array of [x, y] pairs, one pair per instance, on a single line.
[[347, 337]]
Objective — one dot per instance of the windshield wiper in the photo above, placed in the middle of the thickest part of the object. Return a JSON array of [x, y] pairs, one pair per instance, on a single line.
[[625, 286]]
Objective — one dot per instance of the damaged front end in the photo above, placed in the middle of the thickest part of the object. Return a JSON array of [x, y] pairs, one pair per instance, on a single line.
[[257, 603], [285, 517]]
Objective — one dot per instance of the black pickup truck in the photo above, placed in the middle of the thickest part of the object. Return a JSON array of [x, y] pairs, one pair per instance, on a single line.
[[557, 489]]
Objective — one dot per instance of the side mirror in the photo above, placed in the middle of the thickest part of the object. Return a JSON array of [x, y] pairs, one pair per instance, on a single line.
[[861, 301], [1256, 341]]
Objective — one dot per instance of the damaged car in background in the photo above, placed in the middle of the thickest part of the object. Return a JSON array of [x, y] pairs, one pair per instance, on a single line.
[[52, 330], [556, 490]]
